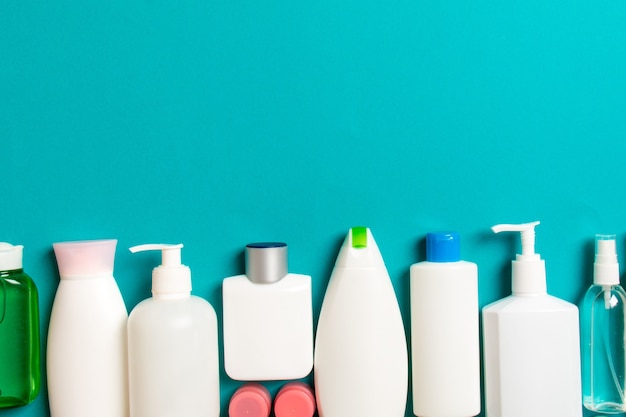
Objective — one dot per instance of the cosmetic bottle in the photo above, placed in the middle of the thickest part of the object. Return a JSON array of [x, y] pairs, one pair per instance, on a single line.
[[602, 333], [444, 331], [268, 318], [172, 346], [361, 360], [87, 351], [531, 343], [294, 399], [20, 373], [250, 400]]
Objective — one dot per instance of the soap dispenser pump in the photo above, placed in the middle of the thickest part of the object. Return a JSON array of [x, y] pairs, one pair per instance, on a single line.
[[172, 345], [531, 343]]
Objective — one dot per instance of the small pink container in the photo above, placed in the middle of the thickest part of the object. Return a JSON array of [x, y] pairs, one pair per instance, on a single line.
[[294, 399], [250, 400]]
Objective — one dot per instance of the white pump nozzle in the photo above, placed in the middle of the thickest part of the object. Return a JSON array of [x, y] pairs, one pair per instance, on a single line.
[[528, 235], [171, 277], [528, 270]]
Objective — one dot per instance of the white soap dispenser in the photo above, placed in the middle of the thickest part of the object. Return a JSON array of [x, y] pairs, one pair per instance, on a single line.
[[268, 318], [531, 343], [172, 346]]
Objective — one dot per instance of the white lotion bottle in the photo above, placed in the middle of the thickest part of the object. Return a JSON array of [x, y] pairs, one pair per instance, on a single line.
[[361, 359], [531, 343], [268, 318], [172, 346], [87, 351], [444, 331]]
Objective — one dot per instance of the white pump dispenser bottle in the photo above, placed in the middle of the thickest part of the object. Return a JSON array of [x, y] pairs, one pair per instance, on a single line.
[[172, 346], [531, 343]]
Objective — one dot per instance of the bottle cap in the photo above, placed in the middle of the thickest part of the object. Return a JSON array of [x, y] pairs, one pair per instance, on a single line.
[[605, 267], [295, 399], [10, 256], [359, 250], [443, 247], [81, 259], [266, 262], [171, 277], [250, 400]]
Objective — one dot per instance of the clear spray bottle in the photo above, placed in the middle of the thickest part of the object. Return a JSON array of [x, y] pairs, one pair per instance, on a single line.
[[602, 333]]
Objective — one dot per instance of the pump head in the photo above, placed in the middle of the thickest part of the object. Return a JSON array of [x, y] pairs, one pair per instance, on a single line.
[[528, 269], [171, 277]]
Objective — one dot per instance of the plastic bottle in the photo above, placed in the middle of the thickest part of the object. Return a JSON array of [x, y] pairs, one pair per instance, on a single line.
[[87, 353], [173, 346], [444, 331], [268, 318], [602, 333], [20, 373], [250, 400], [531, 344], [294, 399], [361, 360]]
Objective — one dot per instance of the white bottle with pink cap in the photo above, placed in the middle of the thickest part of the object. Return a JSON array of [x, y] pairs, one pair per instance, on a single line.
[[86, 353]]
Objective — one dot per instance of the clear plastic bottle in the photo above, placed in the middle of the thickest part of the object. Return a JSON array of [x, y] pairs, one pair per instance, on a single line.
[[20, 372], [602, 334]]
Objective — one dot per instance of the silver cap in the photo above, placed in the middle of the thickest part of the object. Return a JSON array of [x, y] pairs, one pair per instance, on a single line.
[[266, 262]]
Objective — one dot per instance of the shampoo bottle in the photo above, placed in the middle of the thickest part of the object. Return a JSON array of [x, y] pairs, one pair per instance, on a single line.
[[444, 331], [250, 400], [531, 343], [602, 333], [361, 360], [172, 346], [268, 318], [87, 352], [19, 331]]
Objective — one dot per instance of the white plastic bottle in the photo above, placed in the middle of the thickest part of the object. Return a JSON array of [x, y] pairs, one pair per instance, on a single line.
[[444, 331], [87, 353], [172, 346], [361, 360], [531, 344], [268, 318]]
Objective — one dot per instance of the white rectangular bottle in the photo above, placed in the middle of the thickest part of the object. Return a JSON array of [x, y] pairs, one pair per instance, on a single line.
[[444, 331], [268, 318], [531, 344]]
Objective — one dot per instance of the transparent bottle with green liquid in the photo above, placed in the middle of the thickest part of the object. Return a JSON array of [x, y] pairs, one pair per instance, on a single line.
[[20, 373]]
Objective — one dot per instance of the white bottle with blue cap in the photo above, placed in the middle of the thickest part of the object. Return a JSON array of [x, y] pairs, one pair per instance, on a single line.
[[172, 346], [444, 331], [531, 343]]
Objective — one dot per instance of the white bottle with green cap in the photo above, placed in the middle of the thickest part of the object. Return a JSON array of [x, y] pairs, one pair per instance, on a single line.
[[445, 353], [268, 318], [361, 360], [172, 346], [531, 343]]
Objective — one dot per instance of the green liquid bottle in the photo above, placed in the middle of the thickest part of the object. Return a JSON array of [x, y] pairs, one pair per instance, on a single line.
[[20, 373]]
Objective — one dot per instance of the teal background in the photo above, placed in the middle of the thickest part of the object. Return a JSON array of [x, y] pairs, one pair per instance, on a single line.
[[218, 123]]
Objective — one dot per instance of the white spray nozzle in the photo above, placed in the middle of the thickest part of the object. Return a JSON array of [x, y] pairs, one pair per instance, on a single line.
[[528, 235], [171, 277], [170, 254], [605, 267]]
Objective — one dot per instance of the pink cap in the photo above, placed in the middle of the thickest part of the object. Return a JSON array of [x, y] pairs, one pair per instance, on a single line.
[[84, 258], [250, 400], [294, 399]]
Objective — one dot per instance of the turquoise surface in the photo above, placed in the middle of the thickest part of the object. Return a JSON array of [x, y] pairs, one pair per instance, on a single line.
[[220, 123]]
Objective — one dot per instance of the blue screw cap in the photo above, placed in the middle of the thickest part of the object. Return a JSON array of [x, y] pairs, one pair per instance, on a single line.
[[443, 247]]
